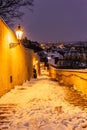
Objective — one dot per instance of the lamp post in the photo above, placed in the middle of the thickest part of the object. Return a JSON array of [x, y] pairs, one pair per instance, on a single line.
[[19, 34]]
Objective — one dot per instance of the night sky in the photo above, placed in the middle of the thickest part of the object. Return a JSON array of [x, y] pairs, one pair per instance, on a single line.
[[56, 20]]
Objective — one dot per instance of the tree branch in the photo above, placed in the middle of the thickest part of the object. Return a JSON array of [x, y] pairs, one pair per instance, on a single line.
[[10, 9]]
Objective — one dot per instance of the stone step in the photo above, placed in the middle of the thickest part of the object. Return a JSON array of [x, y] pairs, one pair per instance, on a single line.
[[7, 112]]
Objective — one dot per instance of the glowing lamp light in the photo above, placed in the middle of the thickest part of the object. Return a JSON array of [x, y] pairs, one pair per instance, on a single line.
[[19, 32]]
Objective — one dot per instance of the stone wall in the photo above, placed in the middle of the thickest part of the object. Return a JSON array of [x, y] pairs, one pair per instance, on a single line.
[[36, 63], [16, 64], [71, 78]]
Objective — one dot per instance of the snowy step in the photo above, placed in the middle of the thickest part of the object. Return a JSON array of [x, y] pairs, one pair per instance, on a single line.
[[6, 115]]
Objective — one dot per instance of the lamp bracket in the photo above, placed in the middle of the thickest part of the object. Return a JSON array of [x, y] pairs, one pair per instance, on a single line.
[[12, 45]]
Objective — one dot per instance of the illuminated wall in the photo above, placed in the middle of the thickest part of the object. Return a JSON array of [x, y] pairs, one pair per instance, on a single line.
[[68, 77], [15, 63], [36, 63]]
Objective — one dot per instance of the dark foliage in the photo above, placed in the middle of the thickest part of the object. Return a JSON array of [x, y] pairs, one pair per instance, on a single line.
[[32, 45]]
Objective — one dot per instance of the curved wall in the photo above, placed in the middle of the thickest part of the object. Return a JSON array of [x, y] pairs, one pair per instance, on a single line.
[[75, 78]]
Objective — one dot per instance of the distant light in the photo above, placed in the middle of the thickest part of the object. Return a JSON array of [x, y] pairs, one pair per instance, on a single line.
[[49, 58]]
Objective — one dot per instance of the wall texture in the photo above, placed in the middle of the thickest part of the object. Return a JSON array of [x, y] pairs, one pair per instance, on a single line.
[[74, 78], [16, 63], [36, 63]]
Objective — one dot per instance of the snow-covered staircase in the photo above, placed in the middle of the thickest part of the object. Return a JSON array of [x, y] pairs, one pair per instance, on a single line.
[[7, 112]]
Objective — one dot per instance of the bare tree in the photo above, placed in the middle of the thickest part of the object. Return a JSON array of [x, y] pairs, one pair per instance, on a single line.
[[11, 9]]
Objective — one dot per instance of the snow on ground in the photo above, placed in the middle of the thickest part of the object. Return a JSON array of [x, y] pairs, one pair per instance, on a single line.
[[40, 104]]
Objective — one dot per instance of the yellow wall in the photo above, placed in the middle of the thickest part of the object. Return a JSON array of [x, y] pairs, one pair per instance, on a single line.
[[15, 63], [36, 63], [74, 78]]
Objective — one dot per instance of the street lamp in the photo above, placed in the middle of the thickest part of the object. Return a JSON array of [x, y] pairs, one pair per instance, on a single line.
[[19, 34]]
